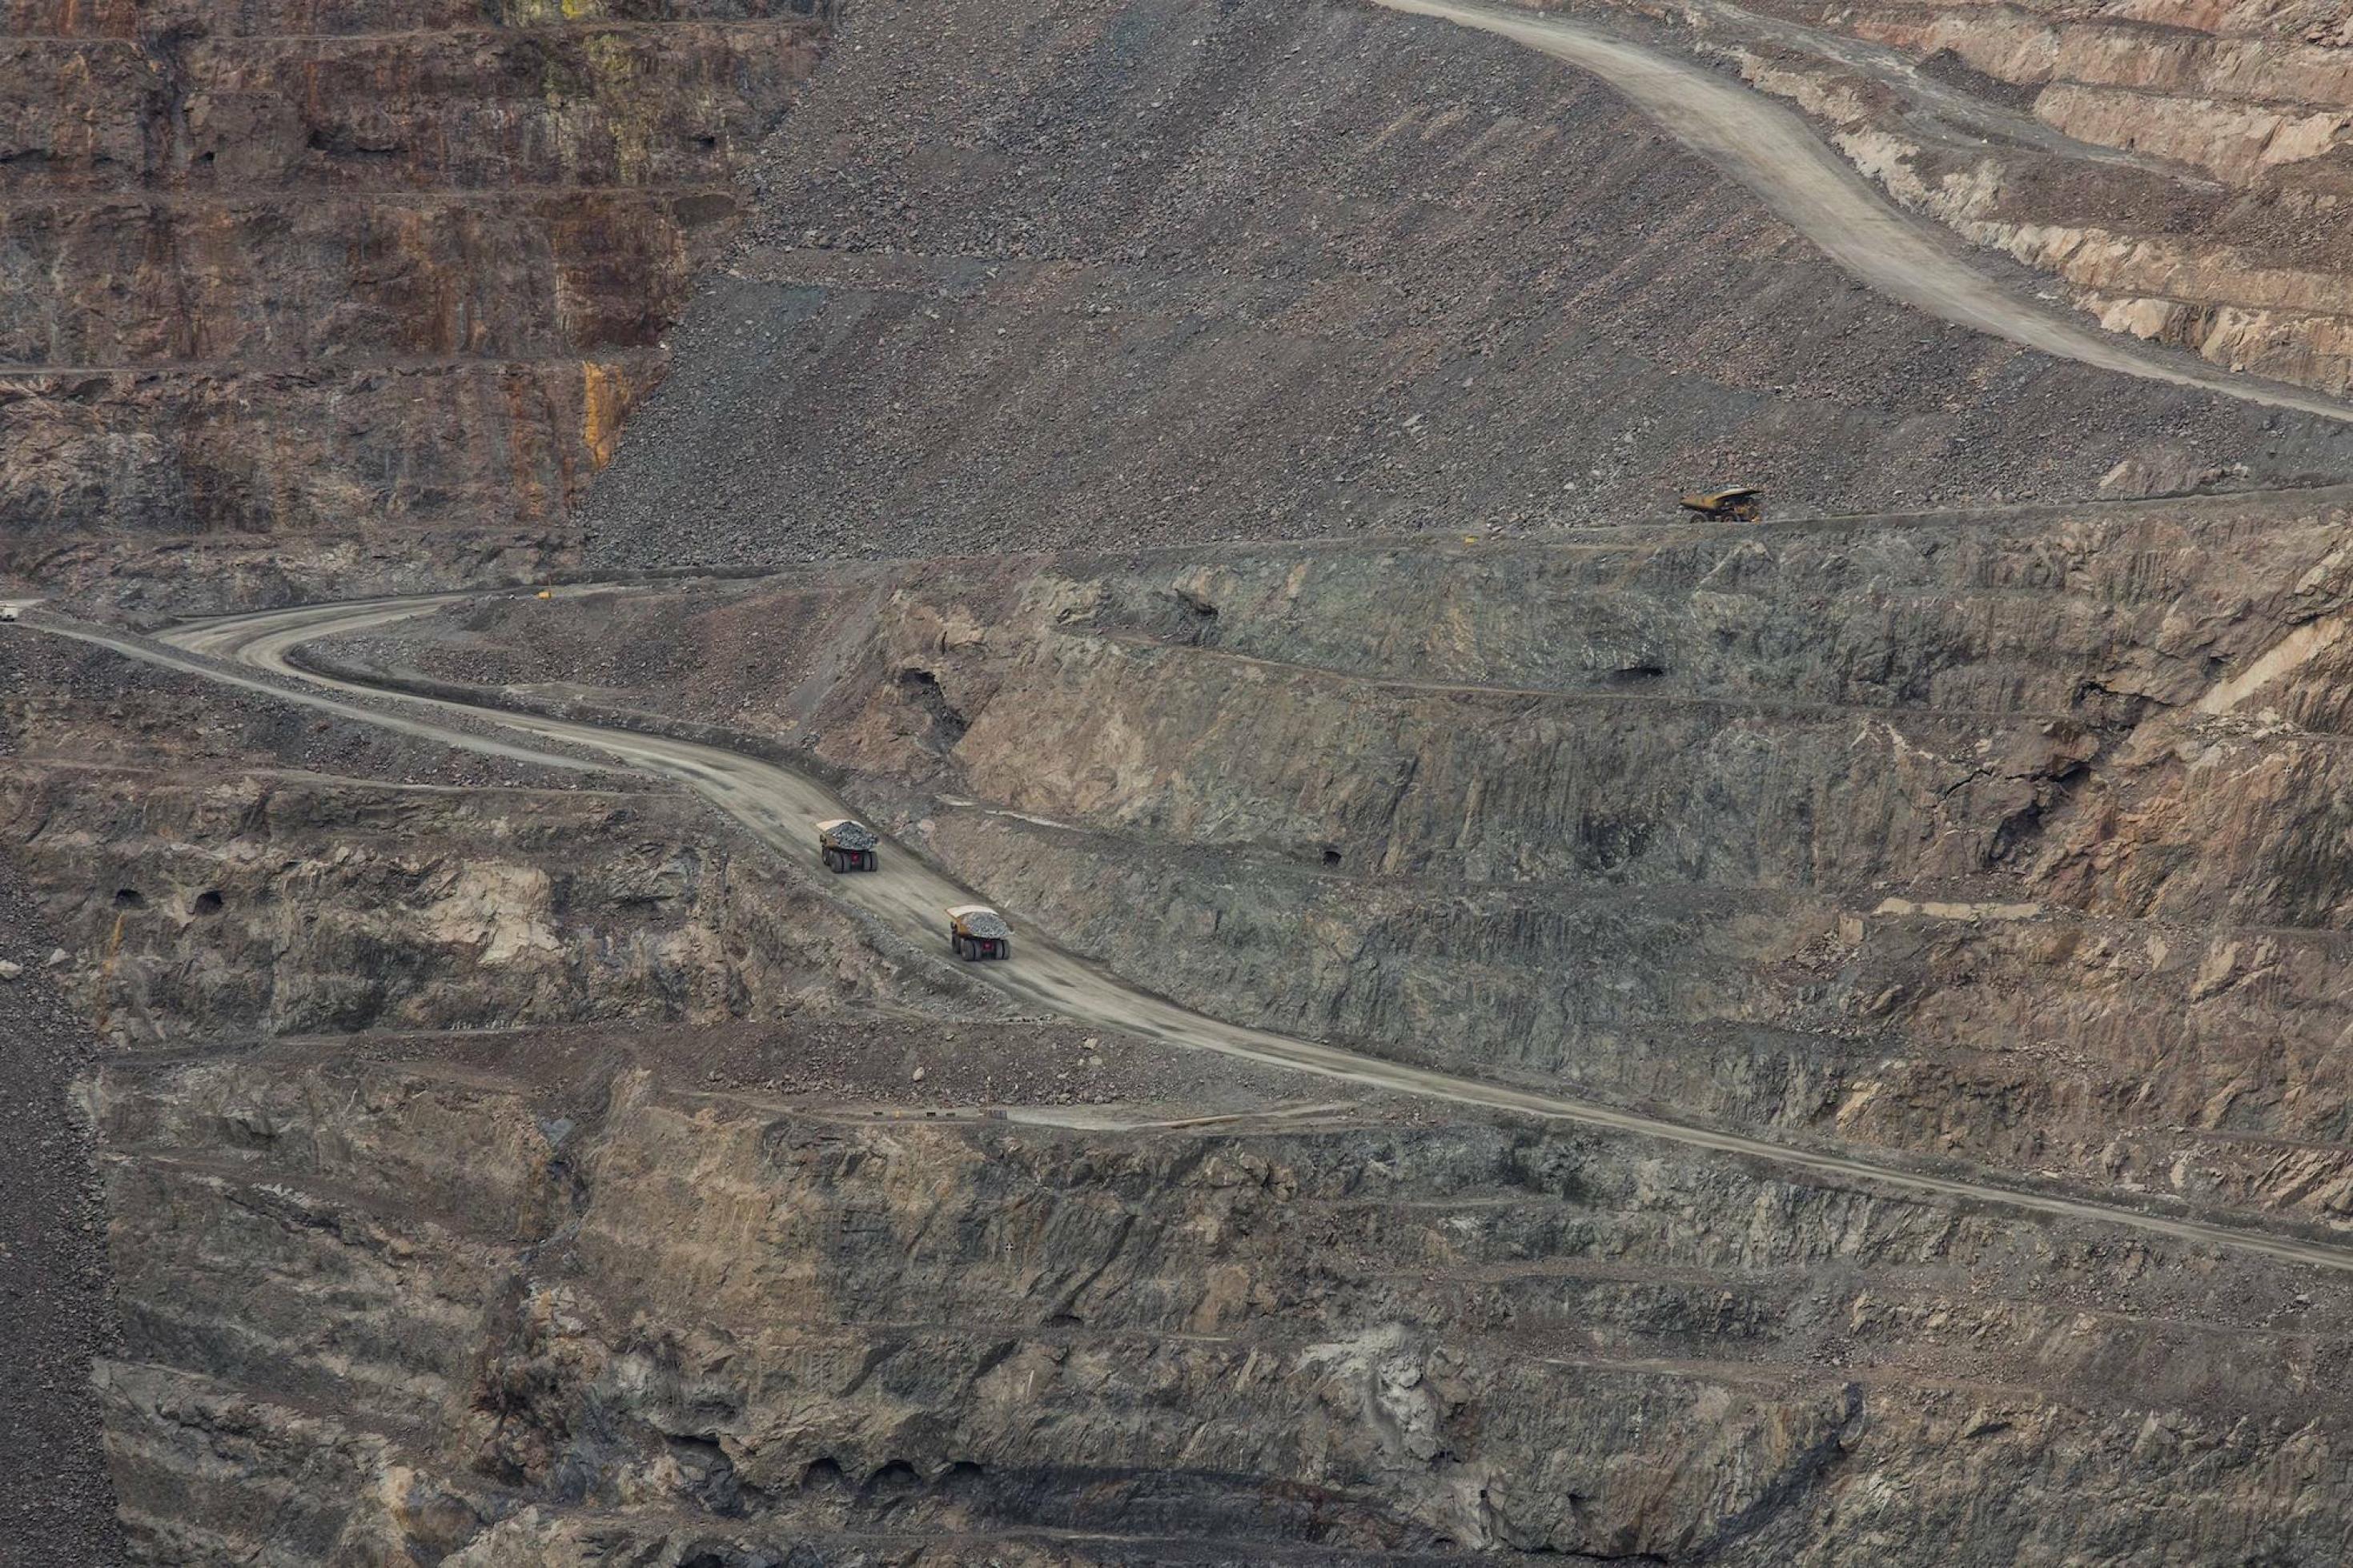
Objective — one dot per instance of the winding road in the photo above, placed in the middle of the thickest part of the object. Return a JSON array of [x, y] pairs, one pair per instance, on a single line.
[[1768, 149], [782, 807], [1806, 184]]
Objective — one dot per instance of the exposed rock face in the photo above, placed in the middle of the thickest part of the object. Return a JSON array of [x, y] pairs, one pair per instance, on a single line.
[[511, 1167], [1869, 833], [240, 892], [57, 1310], [374, 927], [700, 1330], [2224, 227], [287, 280], [1984, 835], [392, 293]]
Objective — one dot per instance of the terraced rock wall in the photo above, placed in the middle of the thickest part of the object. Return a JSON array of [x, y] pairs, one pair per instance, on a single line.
[[2198, 189], [348, 295], [2047, 894], [703, 1328], [2010, 837]]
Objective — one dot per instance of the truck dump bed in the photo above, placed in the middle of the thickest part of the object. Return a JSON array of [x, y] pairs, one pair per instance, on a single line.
[[841, 833], [980, 921]]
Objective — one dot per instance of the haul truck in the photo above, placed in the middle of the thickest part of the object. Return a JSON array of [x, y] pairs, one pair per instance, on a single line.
[[975, 930], [847, 845], [1739, 503]]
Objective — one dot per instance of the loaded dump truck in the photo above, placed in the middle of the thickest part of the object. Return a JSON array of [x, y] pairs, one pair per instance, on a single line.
[[1738, 503], [847, 845], [975, 930]]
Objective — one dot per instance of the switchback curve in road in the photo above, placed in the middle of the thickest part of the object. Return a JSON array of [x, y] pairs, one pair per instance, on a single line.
[[1806, 184], [781, 807]]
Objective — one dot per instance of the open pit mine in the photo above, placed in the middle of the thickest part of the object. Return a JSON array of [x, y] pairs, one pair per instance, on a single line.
[[1243, 783]]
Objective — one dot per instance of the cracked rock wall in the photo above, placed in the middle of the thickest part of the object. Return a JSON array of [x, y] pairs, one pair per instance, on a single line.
[[696, 1329], [349, 294]]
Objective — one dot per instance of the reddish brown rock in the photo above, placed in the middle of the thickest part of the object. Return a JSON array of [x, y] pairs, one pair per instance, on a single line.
[[307, 271]]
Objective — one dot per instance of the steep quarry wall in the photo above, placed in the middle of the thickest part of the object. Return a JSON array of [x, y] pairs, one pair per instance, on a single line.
[[2011, 837], [274, 875], [544, 1253], [510, 1166], [345, 295], [56, 1312], [317, 305], [2185, 171], [415, 1317]]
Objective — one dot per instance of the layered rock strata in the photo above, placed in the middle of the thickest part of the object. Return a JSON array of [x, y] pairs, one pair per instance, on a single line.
[[2183, 170], [338, 296], [2008, 836]]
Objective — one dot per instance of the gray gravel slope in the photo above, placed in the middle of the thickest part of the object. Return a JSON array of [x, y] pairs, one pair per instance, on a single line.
[[1134, 271], [57, 1503]]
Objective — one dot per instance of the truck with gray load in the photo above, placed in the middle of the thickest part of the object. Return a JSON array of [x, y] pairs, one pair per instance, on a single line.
[[847, 845], [975, 930]]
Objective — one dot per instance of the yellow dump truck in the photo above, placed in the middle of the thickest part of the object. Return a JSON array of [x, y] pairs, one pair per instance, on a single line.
[[1738, 503], [847, 845], [975, 930]]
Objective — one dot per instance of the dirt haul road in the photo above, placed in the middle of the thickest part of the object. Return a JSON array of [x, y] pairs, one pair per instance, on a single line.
[[782, 807], [1816, 191]]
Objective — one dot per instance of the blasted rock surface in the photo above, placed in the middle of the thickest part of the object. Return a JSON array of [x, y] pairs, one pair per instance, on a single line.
[[348, 282], [2002, 835], [544, 1253]]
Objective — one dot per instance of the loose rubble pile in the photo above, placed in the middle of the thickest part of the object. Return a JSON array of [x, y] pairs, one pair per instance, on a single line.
[[1129, 272], [57, 1309]]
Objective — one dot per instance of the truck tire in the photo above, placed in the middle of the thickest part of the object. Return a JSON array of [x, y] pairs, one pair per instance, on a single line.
[[1005, 948], [831, 863]]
